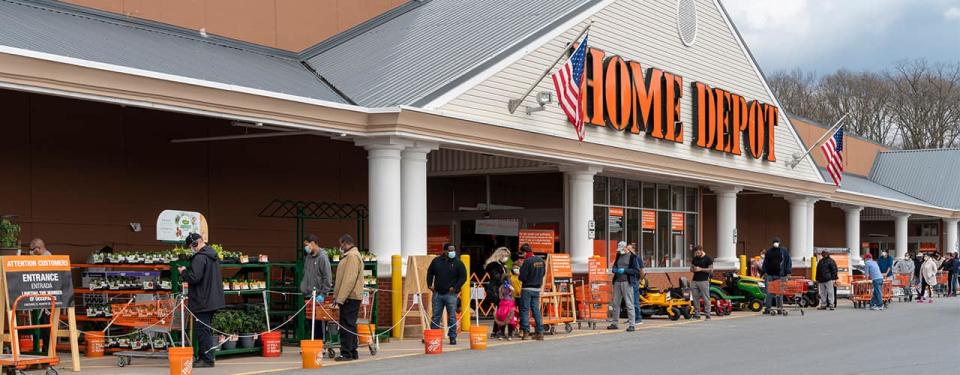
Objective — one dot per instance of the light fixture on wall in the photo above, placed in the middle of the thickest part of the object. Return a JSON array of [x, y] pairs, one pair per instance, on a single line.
[[543, 98], [135, 227]]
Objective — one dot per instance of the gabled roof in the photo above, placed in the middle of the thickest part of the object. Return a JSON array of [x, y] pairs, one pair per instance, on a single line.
[[75, 32], [930, 175], [429, 47]]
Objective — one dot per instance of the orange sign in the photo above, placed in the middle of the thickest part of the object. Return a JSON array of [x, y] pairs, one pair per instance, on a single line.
[[560, 266], [649, 220], [616, 211], [928, 247], [540, 240], [676, 222], [437, 236], [624, 96], [28, 263], [596, 269]]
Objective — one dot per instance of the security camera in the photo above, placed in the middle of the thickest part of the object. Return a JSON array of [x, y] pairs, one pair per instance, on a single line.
[[544, 98]]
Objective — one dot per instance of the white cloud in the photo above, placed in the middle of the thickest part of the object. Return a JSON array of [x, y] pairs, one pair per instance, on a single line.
[[952, 14]]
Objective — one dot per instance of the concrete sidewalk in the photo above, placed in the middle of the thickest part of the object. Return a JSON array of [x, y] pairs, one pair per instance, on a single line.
[[290, 359]]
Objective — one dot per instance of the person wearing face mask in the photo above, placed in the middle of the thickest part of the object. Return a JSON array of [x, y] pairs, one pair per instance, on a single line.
[[446, 276], [347, 294], [532, 272], [626, 271], [496, 270], [317, 277], [776, 265], [204, 295]]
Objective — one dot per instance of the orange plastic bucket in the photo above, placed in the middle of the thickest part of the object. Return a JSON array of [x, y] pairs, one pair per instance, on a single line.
[[478, 338], [26, 343], [311, 352], [365, 333], [181, 360], [94, 343], [271, 344], [433, 341]]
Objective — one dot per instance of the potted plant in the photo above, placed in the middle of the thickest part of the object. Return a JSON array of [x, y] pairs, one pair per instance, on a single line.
[[9, 235], [253, 322], [226, 322]]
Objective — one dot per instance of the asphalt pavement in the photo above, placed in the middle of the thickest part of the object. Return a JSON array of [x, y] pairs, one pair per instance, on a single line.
[[908, 338]]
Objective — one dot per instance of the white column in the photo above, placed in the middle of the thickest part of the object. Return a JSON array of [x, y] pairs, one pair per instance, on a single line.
[[383, 189], [900, 222], [951, 225], [808, 250], [726, 226], [798, 229], [413, 205], [853, 233], [581, 212]]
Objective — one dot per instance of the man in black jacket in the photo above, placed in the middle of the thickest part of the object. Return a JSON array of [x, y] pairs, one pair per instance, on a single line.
[[205, 294], [445, 277], [776, 265], [531, 281], [826, 276]]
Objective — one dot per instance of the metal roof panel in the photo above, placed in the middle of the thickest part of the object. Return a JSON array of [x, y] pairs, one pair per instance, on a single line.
[[64, 31], [931, 175], [416, 53]]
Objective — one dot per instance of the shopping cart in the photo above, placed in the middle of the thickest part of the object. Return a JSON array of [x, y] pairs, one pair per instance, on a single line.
[[789, 289], [863, 293], [329, 314], [941, 288], [15, 362], [592, 300], [155, 319], [901, 287]]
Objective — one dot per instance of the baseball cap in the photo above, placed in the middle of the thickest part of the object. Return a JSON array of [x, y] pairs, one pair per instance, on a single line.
[[191, 239]]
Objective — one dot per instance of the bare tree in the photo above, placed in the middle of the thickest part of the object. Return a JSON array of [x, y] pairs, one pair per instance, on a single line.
[[865, 96], [926, 105], [796, 91]]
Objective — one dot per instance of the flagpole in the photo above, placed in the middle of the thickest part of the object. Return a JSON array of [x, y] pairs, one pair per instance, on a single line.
[[796, 159], [514, 103]]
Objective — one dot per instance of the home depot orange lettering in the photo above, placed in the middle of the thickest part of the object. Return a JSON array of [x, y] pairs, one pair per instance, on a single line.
[[620, 95], [723, 120]]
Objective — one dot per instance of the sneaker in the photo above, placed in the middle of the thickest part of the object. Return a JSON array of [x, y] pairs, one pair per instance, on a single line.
[[831, 308], [874, 308], [929, 300], [343, 359], [453, 341], [538, 336], [919, 301], [695, 317], [509, 338], [706, 317], [202, 364], [639, 323], [613, 326], [523, 336], [631, 329], [821, 308]]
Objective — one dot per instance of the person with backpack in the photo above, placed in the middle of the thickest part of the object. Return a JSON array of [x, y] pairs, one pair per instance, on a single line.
[[626, 272], [826, 277], [776, 265]]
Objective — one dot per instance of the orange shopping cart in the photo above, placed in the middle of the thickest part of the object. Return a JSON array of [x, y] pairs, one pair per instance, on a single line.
[[942, 287], [789, 289], [15, 361], [901, 288], [592, 300], [155, 319], [863, 293], [330, 315]]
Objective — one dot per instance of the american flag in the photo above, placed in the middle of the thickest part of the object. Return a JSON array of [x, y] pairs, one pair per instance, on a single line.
[[833, 151], [567, 83]]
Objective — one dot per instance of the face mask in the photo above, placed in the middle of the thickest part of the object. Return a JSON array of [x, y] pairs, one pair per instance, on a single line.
[[776, 244], [622, 251], [306, 249], [516, 270], [451, 254]]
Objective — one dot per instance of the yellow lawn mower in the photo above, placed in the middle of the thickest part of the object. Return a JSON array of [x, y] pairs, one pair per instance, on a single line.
[[673, 302]]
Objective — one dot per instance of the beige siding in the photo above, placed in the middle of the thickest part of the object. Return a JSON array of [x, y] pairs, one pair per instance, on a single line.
[[644, 31]]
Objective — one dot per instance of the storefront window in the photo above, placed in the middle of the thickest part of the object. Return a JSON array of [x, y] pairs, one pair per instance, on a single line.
[[633, 193], [649, 195], [616, 191], [667, 243], [663, 196], [599, 190]]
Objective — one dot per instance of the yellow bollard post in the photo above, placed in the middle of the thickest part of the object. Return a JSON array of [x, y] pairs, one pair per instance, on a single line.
[[396, 297], [813, 268], [743, 265], [465, 296]]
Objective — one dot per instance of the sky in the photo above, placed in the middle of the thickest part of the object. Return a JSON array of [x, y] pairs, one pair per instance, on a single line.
[[827, 35]]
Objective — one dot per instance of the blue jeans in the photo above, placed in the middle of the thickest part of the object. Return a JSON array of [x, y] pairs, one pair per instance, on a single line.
[[636, 302], [877, 298], [530, 301], [448, 301], [771, 301]]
